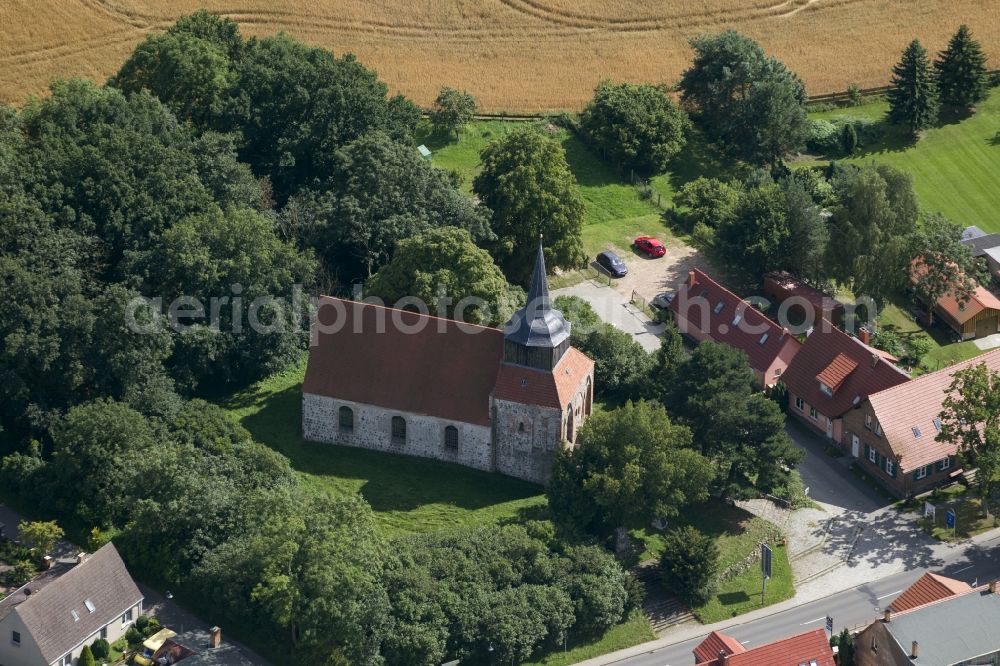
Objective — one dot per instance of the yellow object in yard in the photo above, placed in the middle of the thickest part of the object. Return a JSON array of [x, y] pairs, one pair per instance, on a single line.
[[151, 645]]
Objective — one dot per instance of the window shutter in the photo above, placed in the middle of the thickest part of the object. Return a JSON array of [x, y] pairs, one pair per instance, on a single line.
[[867, 453], [916, 475]]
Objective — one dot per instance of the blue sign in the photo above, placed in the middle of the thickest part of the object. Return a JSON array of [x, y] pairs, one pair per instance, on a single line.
[[829, 625], [950, 518], [765, 560]]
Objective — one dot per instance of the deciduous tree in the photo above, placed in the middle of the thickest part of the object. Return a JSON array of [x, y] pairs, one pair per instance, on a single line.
[[943, 264], [40, 535], [452, 109]]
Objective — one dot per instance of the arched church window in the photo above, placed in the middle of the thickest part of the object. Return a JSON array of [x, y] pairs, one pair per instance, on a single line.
[[398, 430], [345, 417], [451, 438]]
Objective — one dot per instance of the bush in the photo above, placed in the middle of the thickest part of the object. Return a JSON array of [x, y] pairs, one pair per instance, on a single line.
[[703, 236], [848, 139], [86, 657], [101, 648], [133, 637], [855, 95], [22, 572], [142, 622], [823, 136], [689, 565]]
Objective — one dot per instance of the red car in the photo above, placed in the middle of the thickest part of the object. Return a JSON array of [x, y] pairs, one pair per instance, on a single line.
[[650, 246]]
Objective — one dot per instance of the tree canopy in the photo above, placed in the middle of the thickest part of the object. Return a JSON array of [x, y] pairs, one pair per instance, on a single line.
[[748, 103], [635, 126], [913, 97], [526, 182], [962, 78]]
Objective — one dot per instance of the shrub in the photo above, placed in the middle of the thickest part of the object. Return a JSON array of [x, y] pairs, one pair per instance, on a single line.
[[689, 565], [86, 657], [848, 139], [142, 622], [703, 236], [22, 572], [822, 136], [854, 93], [133, 637], [101, 648]]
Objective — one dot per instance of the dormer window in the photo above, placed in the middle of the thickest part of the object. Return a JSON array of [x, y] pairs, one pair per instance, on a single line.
[[719, 306], [825, 389], [878, 429]]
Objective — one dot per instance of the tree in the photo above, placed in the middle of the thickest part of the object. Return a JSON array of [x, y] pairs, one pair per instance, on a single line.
[[805, 246], [86, 657], [913, 97], [382, 192], [875, 214], [962, 77], [445, 264], [708, 201], [970, 421], [689, 564], [630, 466], [621, 365], [943, 264], [758, 231], [452, 109], [848, 139], [526, 182], [637, 127], [844, 642], [750, 104], [40, 535], [101, 649]]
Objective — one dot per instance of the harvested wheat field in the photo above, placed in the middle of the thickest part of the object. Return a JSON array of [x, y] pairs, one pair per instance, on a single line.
[[514, 55]]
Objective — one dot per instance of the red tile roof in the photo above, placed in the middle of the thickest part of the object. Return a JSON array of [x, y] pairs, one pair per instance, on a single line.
[[823, 346], [929, 588], [783, 285], [982, 299], [554, 389], [834, 374], [697, 304], [917, 404], [793, 651], [404, 361], [708, 650]]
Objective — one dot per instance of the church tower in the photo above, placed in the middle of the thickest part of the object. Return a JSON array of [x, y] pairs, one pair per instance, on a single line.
[[537, 336], [544, 389]]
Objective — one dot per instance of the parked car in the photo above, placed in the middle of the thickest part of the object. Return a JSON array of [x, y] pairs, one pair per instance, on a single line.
[[661, 301], [151, 645], [612, 263], [651, 247]]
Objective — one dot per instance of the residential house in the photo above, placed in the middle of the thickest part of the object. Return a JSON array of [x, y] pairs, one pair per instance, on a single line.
[[976, 317], [985, 247], [811, 648], [832, 374], [408, 383], [48, 621], [894, 431], [928, 588], [705, 310], [798, 302], [956, 630], [201, 648]]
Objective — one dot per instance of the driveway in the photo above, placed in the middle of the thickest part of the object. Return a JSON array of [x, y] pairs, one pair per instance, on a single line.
[[649, 277], [614, 308]]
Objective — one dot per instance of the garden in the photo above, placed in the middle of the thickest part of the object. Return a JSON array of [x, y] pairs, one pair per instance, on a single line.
[[967, 504]]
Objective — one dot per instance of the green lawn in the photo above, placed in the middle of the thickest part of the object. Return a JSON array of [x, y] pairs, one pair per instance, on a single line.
[[955, 166], [615, 211], [943, 352], [407, 494], [633, 631], [969, 518], [742, 594]]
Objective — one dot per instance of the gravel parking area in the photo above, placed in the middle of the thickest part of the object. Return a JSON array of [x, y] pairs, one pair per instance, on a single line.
[[649, 277]]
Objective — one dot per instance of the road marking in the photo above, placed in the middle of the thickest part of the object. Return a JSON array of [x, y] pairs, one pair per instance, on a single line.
[[887, 595], [965, 569], [744, 642], [819, 619]]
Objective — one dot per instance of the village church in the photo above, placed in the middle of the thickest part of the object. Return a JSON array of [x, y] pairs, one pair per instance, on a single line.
[[408, 383]]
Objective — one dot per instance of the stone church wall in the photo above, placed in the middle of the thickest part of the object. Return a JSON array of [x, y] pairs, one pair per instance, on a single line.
[[527, 439], [373, 430]]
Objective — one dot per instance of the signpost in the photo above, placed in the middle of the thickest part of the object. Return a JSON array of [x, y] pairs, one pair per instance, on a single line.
[[951, 521], [930, 510], [829, 625], [765, 568]]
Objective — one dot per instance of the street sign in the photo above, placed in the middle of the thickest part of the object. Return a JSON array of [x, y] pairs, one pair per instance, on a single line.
[[765, 560], [930, 510], [829, 625], [950, 518]]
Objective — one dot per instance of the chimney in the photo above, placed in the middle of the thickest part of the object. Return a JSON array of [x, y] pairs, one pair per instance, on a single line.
[[993, 587], [915, 650], [214, 637], [723, 658], [47, 562], [784, 332], [691, 281], [875, 359], [865, 335], [887, 616], [81, 557]]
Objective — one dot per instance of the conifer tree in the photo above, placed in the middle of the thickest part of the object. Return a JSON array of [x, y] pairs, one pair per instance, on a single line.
[[961, 71], [913, 98]]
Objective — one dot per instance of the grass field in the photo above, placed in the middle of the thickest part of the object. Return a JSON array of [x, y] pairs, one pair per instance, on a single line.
[[614, 210], [408, 494], [514, 55], [955, 166], [943, 352]]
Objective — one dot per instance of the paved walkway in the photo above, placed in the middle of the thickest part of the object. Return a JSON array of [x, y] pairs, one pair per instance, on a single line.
[[614, 308], [989, 342]]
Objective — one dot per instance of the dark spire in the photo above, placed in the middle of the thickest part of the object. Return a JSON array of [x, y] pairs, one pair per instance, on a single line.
[[537, 324]]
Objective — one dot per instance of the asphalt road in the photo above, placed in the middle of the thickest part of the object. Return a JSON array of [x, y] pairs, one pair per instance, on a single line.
[[852, 608]]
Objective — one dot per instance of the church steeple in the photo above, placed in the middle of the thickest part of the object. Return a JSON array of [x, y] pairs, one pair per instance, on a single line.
[[537, 335]]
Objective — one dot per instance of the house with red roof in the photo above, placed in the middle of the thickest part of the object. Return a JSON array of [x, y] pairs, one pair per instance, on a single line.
[[405, 382], [976, 317], [894, 431], [801, 301], [705, 310], [928, 588], [833, 374], [811, 648]]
